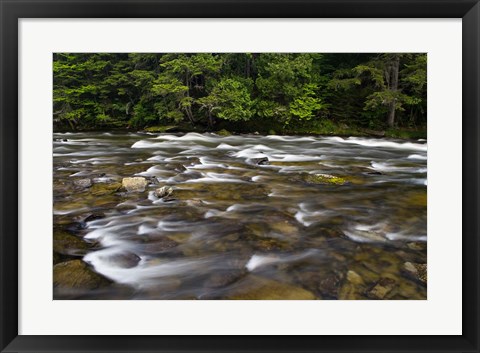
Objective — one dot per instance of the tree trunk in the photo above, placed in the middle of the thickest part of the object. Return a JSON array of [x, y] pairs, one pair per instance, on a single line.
[[211, 120], [393, 87]]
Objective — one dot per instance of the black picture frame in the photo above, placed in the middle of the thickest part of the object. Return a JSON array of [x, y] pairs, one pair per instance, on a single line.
[[12, 10]]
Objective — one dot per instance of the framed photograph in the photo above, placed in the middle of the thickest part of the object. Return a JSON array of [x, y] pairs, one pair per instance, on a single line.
[[239, 176]]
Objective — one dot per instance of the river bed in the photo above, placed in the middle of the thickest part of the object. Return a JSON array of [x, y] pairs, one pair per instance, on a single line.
[[250, 216]]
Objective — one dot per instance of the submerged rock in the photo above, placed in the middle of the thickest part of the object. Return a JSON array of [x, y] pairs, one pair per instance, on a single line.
[[163, 192], [352, 288], [260, 288], [76, 274], [159, 245], [260, 161], [103, 189], [83, 183], [123, 259], [382, 288], [68, 244], [93, 216], [417, 271], [417, 246], [223, 278], [324, 179], [135, 184], [177, 167]]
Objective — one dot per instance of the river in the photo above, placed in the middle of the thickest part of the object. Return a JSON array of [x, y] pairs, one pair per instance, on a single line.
[[250, 216]]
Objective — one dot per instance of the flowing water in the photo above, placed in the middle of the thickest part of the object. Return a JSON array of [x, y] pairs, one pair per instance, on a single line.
[[237, 228]]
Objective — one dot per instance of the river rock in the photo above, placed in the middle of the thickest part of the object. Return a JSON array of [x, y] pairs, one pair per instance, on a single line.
[[163, 192], [223, 278], [352, 288], [354, 278], [135, 184], [329, 285], [417, 245], [160, 244], [260, 161], [122, 259], [417, 271], [82, 183], [93, 216], [76, 274], [382, 288], [68, 244], [259, 288], [324, 179], [103, 189], [177, 167]]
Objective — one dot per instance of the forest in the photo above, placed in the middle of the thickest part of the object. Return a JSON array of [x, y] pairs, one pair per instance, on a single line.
[[380, 94]]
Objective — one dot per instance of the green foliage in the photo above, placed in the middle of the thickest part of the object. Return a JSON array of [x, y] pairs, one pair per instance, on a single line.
[[229, 100], [241, 92]]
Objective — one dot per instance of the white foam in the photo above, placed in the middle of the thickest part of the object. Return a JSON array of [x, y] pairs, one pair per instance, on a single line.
[[417, 156], [380, 143]]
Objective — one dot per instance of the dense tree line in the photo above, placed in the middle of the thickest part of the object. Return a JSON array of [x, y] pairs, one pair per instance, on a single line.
[[292, 92]]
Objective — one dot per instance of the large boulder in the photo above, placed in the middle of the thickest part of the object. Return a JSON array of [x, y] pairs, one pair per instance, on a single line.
[[76, 274], [135, 184]]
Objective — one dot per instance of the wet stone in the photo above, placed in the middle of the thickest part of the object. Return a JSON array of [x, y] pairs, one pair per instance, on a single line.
[[324, 179], [260, 161], [259, 288], [417, 271], [177, 167], [223, 278], [382, 288], [418, 246], [122, 260], [82, 183], [103, 189], [135, 184], [76, 274], [68, 244], [163, 192], [329, 285], [159, 245]]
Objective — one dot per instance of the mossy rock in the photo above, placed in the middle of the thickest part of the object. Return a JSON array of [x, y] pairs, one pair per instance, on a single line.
[[223, 132], [76, 274], [102, 189], [324, 179], [68, 244], [160, 129], [260, 288]]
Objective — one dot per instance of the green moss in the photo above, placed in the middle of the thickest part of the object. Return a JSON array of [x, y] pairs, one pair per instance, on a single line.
[[160, 128], [324, 179], [223, 132], [102, 189]]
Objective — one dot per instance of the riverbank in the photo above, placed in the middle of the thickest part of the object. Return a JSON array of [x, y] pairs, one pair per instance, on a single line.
[[225, 129]]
